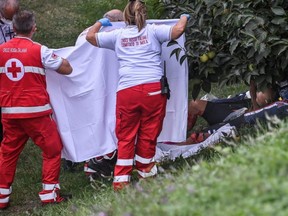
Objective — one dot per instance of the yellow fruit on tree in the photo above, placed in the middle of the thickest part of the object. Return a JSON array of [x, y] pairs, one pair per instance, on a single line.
[[204, 58], [211, 54], [251, 67]]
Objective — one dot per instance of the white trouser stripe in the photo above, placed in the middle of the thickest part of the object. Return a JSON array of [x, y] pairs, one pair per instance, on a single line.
[[152, 172], [123, 178], [16, 110], [48, 196], [124, 162], [144, 160], [50, 186], [155, 93], [28, 69], [5, 191], [4, 200]]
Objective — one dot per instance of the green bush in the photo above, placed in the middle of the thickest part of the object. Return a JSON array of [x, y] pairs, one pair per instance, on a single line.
[[245, 40]]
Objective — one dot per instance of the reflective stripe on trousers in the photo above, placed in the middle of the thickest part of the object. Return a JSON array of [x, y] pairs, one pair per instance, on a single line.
[[140, 111], [5, 196], [17, 110], [49, 192], [44, 133]]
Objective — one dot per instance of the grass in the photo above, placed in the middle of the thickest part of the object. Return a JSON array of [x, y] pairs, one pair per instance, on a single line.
[[245, 178], [60, 22]]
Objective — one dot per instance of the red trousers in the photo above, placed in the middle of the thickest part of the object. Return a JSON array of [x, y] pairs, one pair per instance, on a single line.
[[140, 111], [43, 131]]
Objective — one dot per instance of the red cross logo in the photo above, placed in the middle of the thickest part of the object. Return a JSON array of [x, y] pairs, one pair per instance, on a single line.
[[14, 69]]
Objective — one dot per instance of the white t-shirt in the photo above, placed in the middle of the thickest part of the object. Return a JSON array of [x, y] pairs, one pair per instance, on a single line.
[[138, 53], [50, 59]]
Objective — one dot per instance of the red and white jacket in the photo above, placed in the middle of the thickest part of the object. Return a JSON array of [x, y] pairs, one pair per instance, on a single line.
[[23, 91]]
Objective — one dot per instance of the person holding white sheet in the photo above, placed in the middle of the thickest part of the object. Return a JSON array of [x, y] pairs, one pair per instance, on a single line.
[[140, 105], [26, 108], [101, 166]]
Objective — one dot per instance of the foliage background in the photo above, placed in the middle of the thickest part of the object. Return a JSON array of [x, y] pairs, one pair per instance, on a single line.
[[248, 39]]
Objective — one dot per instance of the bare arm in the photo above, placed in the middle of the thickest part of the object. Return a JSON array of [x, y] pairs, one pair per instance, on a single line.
[[253, 93], [179, 28], [65, 68], [91, 35]]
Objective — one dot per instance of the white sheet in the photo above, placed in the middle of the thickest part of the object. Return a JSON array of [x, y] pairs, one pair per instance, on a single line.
[[84, 102], [166, 152]]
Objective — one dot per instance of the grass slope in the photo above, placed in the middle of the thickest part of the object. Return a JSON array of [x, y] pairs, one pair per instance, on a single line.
[[248, 178], [59, 22]]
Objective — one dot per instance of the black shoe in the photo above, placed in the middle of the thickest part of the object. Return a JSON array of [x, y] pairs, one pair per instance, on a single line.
[[66, 196], [69, 165], [59, 199], [103, 167]]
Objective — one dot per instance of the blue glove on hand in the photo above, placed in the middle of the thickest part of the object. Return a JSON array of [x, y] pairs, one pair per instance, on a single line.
[[105, 22], [187, 15]]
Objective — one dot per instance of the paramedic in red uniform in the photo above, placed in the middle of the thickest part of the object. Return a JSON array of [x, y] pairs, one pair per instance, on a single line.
[[140, 106], [26, 109]]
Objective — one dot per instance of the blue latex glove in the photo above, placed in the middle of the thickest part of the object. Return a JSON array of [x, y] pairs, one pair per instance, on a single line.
[[105, 22], [187, 15]]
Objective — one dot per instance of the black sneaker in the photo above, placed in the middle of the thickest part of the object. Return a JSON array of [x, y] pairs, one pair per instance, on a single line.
[[69, 165], [59, 199], [103, 167]]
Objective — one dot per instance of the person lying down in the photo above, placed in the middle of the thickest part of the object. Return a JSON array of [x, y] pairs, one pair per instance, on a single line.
[[220, 132]]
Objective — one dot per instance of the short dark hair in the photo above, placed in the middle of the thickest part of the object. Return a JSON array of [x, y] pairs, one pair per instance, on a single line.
[[23, 22]]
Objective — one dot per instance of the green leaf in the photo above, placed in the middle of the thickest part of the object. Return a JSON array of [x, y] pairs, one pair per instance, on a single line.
[[251, 26], [210, 3], [182, 59], [206, 86], [247, 77], [233, 46], [279, 20], [248, 33], [272, 38], [251, 53], [195, 91], [172, 42], [176, 52], [284, 64], [262, 48], [282, 49], [278, 11]]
